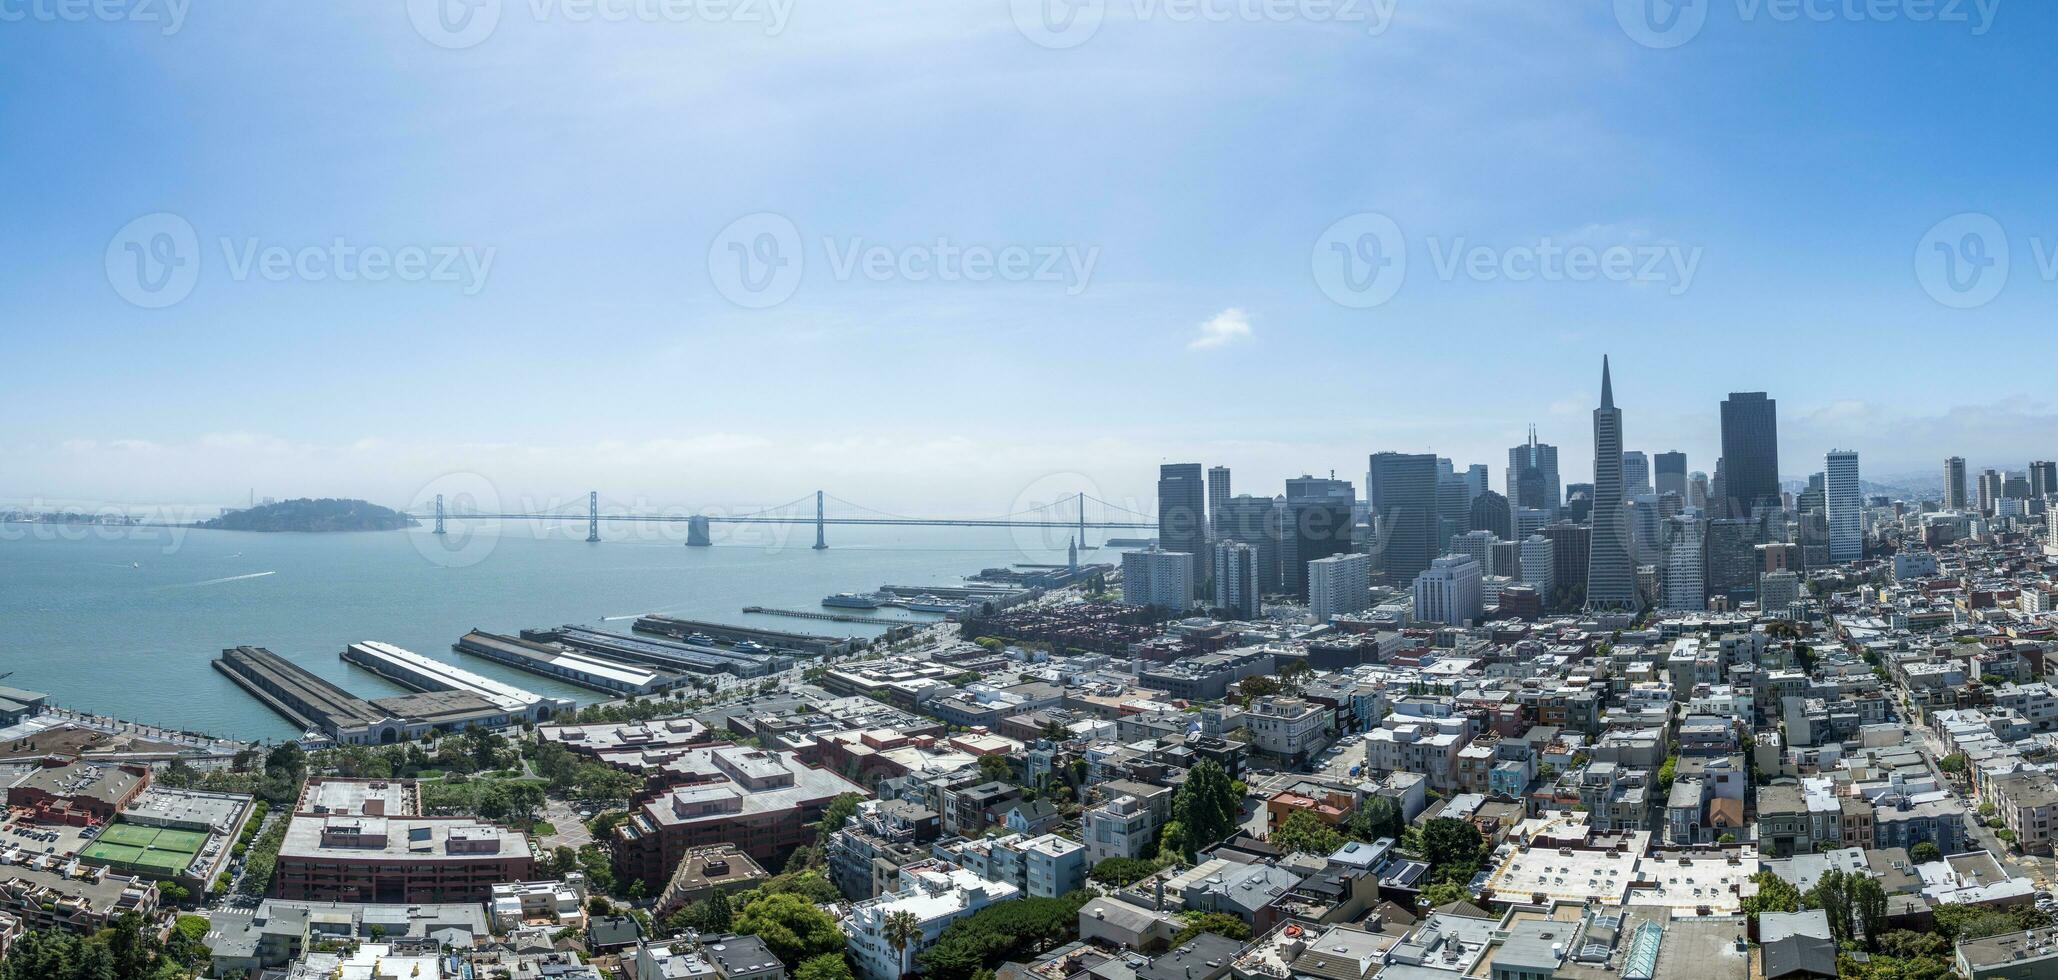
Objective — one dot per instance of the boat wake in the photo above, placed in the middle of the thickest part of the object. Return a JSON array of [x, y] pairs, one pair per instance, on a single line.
[[221, 581]]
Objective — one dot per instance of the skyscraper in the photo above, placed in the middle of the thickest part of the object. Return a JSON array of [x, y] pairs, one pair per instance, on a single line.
[[1845, 506], [1253, 521], [1636, 474], [1490, 513], [1182, 515], [1404, 492], [1533, 475], [1236, 579], [1610, 576], [1671, 476], [1218, 494], [1750, 452], [2043, 479], [1955, 496], [1686, 574], [1991, 484], [1318, 524]]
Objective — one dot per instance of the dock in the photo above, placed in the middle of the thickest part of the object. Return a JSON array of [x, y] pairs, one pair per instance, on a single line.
[[831, 617], [430, 675], [684, 658], [807, 643], [552, 660]]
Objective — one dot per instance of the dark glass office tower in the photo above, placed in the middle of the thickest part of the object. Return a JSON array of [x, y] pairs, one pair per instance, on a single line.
[[1403, 494], [1671, 468], [1318, 522], [1750, 452], [1182, 515]]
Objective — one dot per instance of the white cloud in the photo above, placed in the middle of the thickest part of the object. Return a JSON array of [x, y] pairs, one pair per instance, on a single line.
[[1226, 327]]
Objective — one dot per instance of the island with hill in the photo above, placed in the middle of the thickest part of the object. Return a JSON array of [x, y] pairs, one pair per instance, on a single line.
[[314, 516]]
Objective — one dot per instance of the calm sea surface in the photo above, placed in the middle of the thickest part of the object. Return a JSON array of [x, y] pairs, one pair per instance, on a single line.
[[124, 622]]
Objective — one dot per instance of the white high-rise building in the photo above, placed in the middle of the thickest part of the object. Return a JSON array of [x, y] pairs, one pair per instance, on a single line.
[[1540, 565], [1686, 566], [1157, 578], [1478, 544], [1236, 580], [1449, 592], [1339, 584], [1845, 505]]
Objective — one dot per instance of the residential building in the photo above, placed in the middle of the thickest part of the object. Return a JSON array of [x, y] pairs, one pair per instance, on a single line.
[[936, 894], [1158, 578], [1449, 592], [1338, 585]]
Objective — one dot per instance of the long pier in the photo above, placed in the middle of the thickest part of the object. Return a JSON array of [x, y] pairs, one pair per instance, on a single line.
[[830, 617]]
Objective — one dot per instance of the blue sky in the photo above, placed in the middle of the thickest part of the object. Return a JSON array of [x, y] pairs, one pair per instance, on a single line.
[[595, 174]]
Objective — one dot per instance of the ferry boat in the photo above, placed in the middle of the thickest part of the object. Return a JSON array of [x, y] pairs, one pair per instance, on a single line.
[[751, 646], [852, 600]]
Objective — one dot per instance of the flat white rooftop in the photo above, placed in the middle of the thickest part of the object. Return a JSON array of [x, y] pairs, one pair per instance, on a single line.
[[451, 677]]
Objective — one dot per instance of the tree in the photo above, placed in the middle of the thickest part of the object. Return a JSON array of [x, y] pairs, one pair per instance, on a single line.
[[901, 931], [838, 812], [134, 946], [1831, 895], [1868, 906], [1120, 871], [1775, 894], [792, 928], [1205, 807], [1925, 852], [828, 966], [1667, 773], [1444, 893], [995, 768], [1375, 818], [1453, 849], [1305, 833], [1221, 924]]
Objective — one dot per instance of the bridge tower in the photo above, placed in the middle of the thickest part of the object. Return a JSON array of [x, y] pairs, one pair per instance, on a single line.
[[1081, 543], [592, 517], [439, 513], [820, 543]]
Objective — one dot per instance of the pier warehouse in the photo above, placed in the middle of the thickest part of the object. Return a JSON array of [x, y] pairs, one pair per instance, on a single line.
[[689, 658], [430, 675], [583, 669], [319, 706]]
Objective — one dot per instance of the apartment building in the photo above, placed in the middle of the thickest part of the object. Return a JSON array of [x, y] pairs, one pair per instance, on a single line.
[[1044, 866], [1429, 746], [763, 802], [936, 894], [1289, 729]]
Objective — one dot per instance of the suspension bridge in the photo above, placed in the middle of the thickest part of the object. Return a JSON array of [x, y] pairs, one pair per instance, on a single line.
[[1110, 517]]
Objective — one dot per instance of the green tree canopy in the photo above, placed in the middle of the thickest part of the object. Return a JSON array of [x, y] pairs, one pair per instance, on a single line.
[[1206, 806], [791, 927]]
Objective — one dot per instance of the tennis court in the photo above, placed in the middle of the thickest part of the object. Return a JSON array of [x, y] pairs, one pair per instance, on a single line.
[[157, 851]]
